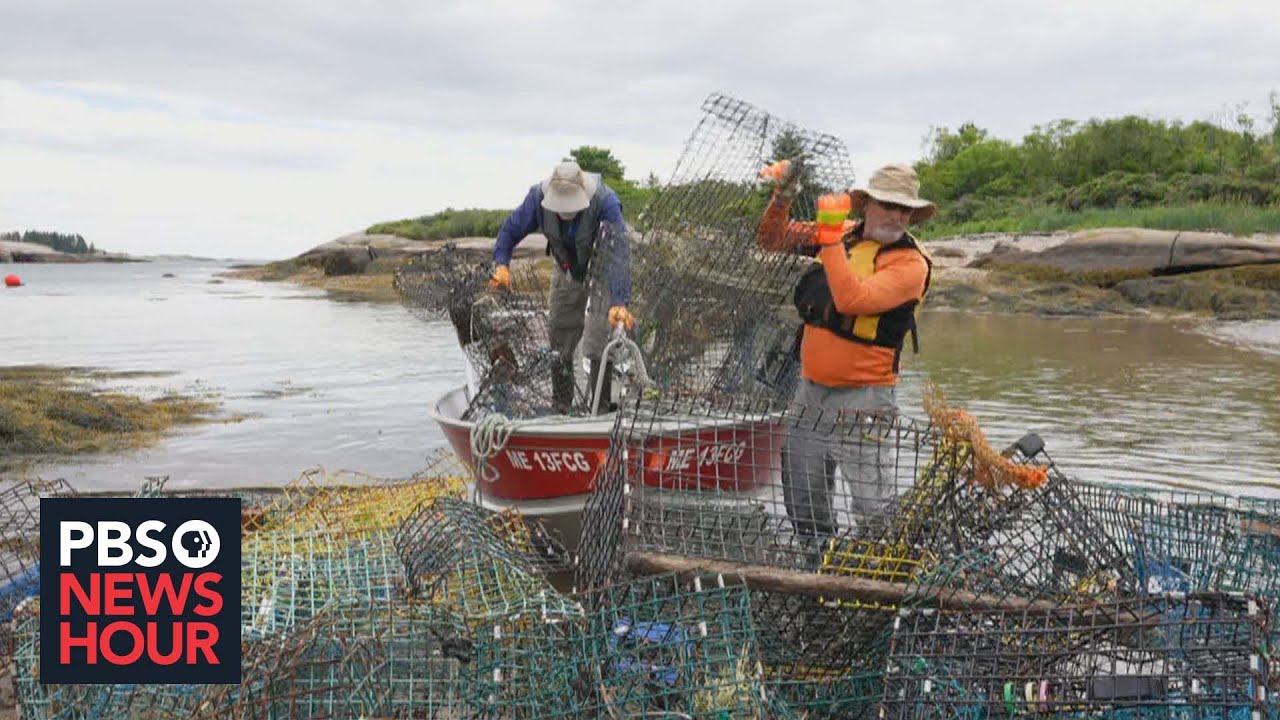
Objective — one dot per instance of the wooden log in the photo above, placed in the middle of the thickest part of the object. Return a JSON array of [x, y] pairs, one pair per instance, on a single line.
[[1251, 526], [837, 587]]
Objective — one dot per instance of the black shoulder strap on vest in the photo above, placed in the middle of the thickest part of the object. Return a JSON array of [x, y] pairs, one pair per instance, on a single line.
[[813, 301]]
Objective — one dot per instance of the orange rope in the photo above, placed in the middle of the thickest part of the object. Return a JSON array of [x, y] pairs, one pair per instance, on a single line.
[[991, 470]]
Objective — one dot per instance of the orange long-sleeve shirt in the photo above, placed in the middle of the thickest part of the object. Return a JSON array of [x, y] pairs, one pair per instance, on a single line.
[[899, 277]]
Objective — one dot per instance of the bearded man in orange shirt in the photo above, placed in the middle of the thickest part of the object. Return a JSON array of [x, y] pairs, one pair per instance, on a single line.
[[858, 307]]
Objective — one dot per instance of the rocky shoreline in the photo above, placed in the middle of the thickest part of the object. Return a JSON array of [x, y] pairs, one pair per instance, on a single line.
[[1112, 271], [20, 252]]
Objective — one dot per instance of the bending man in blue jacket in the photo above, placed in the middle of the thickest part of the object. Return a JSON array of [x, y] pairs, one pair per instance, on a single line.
[[581, 218]]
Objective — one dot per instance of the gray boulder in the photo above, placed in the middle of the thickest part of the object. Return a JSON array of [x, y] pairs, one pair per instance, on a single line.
[[1136, 249], [351, 254]]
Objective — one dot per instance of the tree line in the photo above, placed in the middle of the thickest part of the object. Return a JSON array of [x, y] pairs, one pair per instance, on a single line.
[[481, 222], [62, 242], [1126, 162], [1131, 170]]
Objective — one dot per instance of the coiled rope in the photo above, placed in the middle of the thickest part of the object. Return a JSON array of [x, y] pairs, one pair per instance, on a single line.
[[488, 438]]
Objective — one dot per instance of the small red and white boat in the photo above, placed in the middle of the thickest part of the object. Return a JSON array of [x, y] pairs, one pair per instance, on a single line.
[[547, 468]]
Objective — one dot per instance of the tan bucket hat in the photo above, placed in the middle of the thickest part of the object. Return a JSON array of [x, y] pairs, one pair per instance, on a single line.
[[569, 189], [897, 184]]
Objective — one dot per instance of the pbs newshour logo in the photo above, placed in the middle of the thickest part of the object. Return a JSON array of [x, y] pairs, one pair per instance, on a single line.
[[140, 590]]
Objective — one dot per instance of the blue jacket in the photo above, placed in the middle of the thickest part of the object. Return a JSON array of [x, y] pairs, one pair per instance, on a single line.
[[527, 219]]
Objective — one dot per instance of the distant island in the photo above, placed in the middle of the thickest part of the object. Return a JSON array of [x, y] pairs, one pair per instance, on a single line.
[[41, 246], [72, 244]]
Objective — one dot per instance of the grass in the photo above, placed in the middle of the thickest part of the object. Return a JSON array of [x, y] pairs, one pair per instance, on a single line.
[[1234, 219], [58, 411], [449, 223]]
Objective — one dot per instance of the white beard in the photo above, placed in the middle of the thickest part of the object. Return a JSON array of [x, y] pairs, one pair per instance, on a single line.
[[884, 234]]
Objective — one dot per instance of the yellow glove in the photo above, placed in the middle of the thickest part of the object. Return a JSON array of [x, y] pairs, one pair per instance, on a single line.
[[501, 278], [620, 316], [833, 210]]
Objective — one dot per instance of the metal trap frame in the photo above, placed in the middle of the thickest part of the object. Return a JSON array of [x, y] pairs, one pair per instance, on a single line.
[[1175, 656]]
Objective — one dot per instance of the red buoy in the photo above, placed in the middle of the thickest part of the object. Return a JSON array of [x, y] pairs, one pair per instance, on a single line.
[[12, 281]]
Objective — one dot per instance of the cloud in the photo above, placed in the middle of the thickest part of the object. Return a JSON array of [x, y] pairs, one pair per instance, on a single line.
[[267, 128], [164, 174]]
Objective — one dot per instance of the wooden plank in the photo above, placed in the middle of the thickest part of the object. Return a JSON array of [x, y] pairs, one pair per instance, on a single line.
[[844, 587]]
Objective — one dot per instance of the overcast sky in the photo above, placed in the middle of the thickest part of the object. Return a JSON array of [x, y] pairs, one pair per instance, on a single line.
[[259, 129]]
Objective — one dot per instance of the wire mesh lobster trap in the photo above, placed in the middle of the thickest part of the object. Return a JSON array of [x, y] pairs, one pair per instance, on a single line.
[[712, 304], [1175, 656], [1038, 547], [351, 502], [905, 521], [655, 646], [38, 701], [20, 548], [822, 660], [379, 659], [330, 537], [286, 578], [481, 564], [879, 504], [1184, 541], [518, 364]]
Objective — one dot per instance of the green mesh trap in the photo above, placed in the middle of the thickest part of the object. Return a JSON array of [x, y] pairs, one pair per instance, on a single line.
[[352, 502], [481, 564], [38, 701], [380, 659], [286, 578], [652, 647], [330, 537], [1192, 541], [20, 548]]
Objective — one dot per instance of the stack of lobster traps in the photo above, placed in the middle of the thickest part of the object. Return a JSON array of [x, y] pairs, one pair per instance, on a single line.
[[905, 579], [738, 557]]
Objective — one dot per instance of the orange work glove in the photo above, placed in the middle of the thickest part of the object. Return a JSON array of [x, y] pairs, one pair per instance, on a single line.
[[620, 316], [784, 175], [778, 172], [501, 278], [833, 210]]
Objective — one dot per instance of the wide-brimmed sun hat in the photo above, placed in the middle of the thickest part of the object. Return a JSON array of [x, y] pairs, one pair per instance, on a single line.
[[897, 184], [569, 189]]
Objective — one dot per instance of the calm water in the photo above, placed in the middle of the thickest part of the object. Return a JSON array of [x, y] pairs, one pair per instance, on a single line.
[[1151, 403], [342, 385], [347, 385]]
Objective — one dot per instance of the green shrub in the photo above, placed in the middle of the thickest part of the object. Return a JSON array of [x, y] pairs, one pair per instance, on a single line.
[[1116, 189], [448, 223], [1235, 219], [1127, 170]]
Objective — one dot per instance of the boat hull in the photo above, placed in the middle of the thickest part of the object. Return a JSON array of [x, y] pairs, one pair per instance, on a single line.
[[547, 468]]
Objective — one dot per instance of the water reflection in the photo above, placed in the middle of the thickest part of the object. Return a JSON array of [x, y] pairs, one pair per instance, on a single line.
[[349, 385], [1116, 400]]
